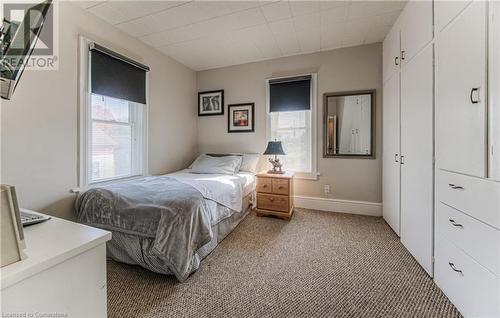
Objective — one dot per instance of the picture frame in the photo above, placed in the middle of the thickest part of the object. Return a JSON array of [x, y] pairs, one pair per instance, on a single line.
[[211, 103], [241, 118]]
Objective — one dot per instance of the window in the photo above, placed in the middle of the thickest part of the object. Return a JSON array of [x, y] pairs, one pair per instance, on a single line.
[[293, 129], [113, 116], [115, 143], [292, 120]]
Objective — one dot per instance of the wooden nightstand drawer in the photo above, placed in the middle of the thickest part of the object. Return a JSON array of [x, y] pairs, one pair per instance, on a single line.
[[280, 186], [264, 185], [272, 202]]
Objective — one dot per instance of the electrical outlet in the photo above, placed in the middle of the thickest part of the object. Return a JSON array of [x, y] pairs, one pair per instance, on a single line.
[[326, 188]]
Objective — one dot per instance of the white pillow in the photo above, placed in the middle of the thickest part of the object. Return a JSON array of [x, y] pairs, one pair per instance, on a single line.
[[197, 158], [249, 162], [222, 165], [212, 155]]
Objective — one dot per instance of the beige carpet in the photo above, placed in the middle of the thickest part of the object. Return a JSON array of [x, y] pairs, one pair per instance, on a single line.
[[319, 264]]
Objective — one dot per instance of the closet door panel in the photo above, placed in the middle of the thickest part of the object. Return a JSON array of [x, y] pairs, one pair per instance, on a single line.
[[391, 166], [391, 47], [416, 28], [417, 147], [446, 11], [494, 91], [460, 93]]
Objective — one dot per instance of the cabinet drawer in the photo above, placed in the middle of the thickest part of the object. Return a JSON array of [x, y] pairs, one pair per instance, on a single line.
[[280, 186], [466, 232], [471, 288], [264, 185], [477, 197], [272, 202]]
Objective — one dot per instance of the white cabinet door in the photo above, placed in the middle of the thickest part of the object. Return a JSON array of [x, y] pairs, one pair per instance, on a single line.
[[391, 166], [461, 93], [416, 28], [391, 51], [446, 11], [417, 149], [494, 91], [75, 287]]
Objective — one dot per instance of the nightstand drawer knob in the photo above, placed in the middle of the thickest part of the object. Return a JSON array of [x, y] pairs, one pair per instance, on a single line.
[[264, 186], [281, 187]]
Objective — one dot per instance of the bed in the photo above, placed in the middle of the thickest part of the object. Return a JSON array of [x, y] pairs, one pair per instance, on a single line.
[[168, 223]]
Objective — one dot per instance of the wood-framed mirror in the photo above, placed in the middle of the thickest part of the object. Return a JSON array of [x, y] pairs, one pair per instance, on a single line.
[[349, 124]]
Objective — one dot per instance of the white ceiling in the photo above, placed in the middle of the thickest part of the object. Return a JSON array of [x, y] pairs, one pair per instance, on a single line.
[[209, 34]]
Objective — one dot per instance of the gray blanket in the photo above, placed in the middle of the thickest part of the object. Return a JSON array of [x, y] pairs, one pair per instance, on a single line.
[[171, 212]]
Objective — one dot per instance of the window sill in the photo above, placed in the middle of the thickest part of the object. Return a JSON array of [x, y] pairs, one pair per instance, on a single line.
[[114, 180], [307, 175]]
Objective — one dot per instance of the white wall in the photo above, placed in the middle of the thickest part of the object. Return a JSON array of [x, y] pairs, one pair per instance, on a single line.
[[347, 69], [39, 134]]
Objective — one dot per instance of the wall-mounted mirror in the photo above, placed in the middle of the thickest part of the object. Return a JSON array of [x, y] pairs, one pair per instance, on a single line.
[[349, 120]]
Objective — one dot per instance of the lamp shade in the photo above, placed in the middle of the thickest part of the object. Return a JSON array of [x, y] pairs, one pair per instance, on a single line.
[[274, 148]]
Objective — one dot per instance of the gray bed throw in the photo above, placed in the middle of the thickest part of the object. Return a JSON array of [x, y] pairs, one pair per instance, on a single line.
[[172, 213]]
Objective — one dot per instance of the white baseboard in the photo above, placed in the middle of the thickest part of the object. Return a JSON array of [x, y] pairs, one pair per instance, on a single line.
[[336, 205]]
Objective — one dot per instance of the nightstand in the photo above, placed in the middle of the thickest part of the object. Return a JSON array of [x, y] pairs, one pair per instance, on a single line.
[[275, 195]]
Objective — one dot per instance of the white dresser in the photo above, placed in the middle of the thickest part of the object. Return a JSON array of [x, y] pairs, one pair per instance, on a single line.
[[64, 274], [467, 243]]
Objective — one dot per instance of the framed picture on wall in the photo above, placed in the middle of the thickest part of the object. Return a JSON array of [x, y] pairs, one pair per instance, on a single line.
[[211, 103], [240, 118]]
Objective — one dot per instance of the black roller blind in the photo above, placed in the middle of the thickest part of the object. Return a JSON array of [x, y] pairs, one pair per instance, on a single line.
[[290, 94], [114, 75]]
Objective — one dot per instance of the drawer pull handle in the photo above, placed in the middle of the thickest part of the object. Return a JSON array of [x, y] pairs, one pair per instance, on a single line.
[[455, 223], [454, 268], [272, 200], [281, 187], [265, 186], [455, 187]]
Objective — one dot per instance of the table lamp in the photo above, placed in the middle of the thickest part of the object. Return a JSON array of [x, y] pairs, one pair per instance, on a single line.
[[275, 148]]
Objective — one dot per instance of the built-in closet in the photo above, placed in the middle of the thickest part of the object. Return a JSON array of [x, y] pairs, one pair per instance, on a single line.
[[441, 146], [408, 120], [467, 239]]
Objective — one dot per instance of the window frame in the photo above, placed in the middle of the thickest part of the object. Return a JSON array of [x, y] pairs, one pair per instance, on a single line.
[[313, 174], [85, 123]]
